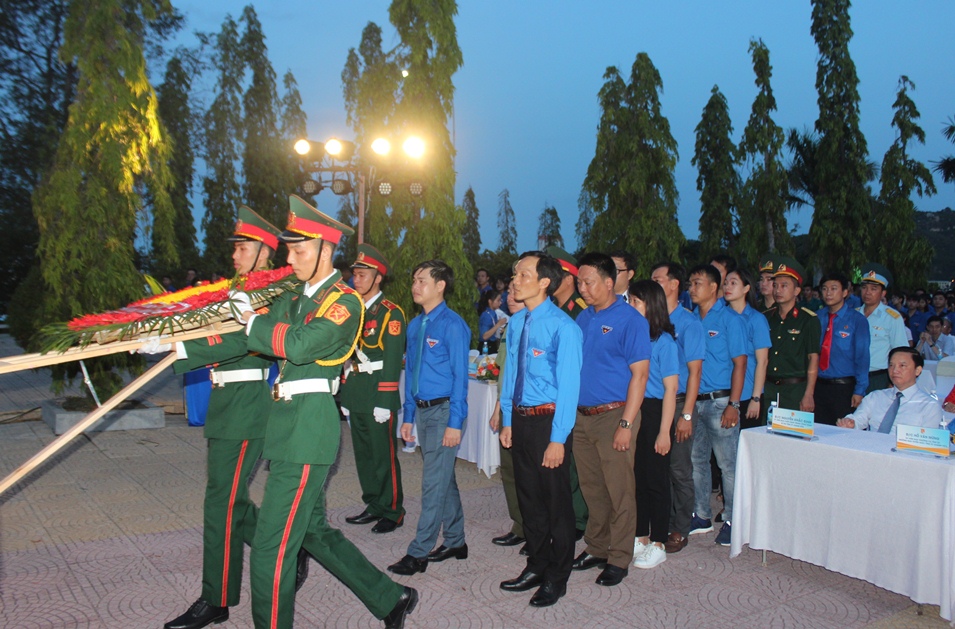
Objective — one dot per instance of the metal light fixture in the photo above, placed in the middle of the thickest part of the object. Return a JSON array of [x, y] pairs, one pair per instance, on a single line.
[[341, 186], [381, 146], [340, 150], [384, 188], [416, 188], [310, 186], [413, 147]]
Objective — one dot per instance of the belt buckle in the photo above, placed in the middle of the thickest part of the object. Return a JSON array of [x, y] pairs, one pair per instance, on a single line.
[[212, 378], [276, 396]]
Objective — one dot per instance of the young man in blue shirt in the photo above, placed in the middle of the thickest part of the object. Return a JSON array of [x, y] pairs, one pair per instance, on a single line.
[[436, 397], [538, 409]]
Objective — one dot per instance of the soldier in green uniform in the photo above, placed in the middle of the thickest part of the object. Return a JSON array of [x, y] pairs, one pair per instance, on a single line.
[[767, 268], [370, 396], [312, 331], [235, 427], [794, 331]]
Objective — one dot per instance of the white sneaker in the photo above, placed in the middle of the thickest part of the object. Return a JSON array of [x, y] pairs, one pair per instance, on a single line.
[[638, 547], [652, 557]]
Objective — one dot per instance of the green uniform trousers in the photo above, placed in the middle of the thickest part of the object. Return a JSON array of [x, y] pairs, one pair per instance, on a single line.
[[292, 516], [789, 395], [229, 517], [510, 491], [376, 446]]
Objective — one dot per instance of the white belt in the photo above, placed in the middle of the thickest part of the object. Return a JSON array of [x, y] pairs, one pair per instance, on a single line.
[[285, 390], [222, 378], [366, 366]]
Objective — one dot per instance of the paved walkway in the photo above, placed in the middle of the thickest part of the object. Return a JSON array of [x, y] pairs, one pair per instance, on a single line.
[[108, 534]]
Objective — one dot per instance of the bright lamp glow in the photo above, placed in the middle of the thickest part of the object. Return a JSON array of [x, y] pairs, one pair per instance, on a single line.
[[311, 186], [302, 147], [416, 189], [333, 147], [384, 188], [414, 147], [381, 146]]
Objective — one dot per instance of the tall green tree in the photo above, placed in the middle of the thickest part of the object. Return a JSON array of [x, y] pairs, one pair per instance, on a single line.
[[763, 203], [292, 127], [717, 180], [506, 223], [221, 191], [843, 198], [264, 155], [175, 111], [113, 146], [898, 244], [630, 187], [472, 234], [548, 230], [946, 166]]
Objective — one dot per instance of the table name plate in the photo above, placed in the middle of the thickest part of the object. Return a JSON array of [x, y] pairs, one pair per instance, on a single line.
[[920, 440], [785, 421]]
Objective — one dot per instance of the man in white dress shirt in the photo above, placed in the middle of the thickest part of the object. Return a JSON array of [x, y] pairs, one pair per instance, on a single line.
[[916, 407]]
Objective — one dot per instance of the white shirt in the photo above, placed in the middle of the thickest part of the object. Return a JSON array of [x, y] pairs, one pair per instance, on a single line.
[[944, 346], [917, 408]]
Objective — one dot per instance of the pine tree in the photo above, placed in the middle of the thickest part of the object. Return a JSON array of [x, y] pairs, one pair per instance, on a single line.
[[839, 238], [506, 223], [220, 187], [717, 180], [472, 234], [548, 231], [946, 166], [898, 244], [762, 212], [630, 187]]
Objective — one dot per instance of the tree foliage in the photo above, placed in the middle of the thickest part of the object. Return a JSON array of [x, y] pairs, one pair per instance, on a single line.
[[472, 233], [763, 202], [630, 190], [548, 230], [946, 166], [898, 244], [506, 223], [717, 179], [842, 204]]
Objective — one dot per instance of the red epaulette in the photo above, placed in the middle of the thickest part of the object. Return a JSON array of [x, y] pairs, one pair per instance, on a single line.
[[390, 305], [345, 288]]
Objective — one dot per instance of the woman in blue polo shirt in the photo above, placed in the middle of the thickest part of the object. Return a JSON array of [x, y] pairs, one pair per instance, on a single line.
[[740, 295], [490, 323], [651, 463]]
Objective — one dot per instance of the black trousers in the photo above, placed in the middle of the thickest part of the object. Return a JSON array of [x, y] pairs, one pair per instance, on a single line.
[[544, 497], [833, 401], [652, 475]]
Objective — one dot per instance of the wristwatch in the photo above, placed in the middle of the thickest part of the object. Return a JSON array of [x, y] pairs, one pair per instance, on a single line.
[[735, 405], [756, 398], [624, 424], [687, 417]]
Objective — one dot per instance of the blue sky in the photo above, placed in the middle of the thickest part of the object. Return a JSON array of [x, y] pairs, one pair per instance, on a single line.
[[526, 108]]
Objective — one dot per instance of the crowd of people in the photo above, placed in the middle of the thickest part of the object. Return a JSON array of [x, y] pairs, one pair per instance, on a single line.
[[620, 405]]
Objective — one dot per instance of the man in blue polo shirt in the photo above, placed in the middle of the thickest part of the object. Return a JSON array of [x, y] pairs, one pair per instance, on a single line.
[[436, 390], [538, 410], [616, 365], [716, 425], [689, 339], [843, 353]]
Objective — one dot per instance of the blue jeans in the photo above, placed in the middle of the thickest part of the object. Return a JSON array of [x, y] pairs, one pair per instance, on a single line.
[[708, 435], [440, 500]]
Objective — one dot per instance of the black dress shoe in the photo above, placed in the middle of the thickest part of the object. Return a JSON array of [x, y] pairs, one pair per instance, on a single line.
[[443, 552], [405, 605], [362, 518], [586, 561], [385, 526], [508, 540], [612, 575], [409, 565], [199, 615], [524, 581], [548, 594], [524, 551], [301, 569], [579, 534]]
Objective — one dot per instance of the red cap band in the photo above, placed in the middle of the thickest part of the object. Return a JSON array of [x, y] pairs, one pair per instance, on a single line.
[[256, 233], [313, 229]]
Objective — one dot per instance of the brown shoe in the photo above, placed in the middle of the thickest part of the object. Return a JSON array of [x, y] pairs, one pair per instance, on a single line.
[[675, 543]]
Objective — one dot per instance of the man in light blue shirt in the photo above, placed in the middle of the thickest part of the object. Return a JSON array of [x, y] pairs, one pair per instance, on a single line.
[[538, 411], [886, 326]]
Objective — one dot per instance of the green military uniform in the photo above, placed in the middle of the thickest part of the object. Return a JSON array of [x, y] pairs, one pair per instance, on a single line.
[[768, 265], [238, 412], [312, 334], [373, 383], [795, 337], [573, 306]]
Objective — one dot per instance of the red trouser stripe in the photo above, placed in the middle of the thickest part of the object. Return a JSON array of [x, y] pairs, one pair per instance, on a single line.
[[285, 535], [391, 450], [228, 523]]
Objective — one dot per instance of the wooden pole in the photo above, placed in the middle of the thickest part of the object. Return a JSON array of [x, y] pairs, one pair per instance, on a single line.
[[57, 444]]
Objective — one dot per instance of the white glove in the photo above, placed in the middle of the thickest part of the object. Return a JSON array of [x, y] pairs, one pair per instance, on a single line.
[[381, 414], [239, 302], [154, 345], [345, 412]]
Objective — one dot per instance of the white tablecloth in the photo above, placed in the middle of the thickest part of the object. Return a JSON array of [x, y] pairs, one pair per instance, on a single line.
[[848, 503]]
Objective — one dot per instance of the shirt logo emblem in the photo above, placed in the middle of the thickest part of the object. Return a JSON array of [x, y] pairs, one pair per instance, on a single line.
[[337, 314], [713, 333], [794, 331], [605, 328], [537, 352], [844, 335], [431, 342], [394, 328]]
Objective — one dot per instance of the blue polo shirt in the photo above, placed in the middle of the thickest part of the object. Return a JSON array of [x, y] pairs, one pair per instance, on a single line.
[[444, 363], [614, 338], [849, 355], [917, 322], [485, 322], [664, 362], [690, 340], [725, 335], [552, 366], [757, 337]]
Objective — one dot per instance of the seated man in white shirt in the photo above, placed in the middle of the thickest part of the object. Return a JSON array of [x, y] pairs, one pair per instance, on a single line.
[[916, 407]]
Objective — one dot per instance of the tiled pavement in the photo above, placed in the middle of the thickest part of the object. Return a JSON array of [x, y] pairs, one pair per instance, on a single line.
[[108, 534]]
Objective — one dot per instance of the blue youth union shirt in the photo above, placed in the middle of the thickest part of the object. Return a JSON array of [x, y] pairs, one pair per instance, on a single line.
[[725, 336], [849, 354], [664, 362], [757, 337], [614, 338], [689, 339]]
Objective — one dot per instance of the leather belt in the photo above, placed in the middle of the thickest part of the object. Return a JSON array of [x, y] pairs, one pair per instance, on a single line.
[[849, 380], [779, 382], [285, 390], [714, 395], [540, 409], [680, 398], [364, 365], [222, 378], [430, 403], [600, 408]]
